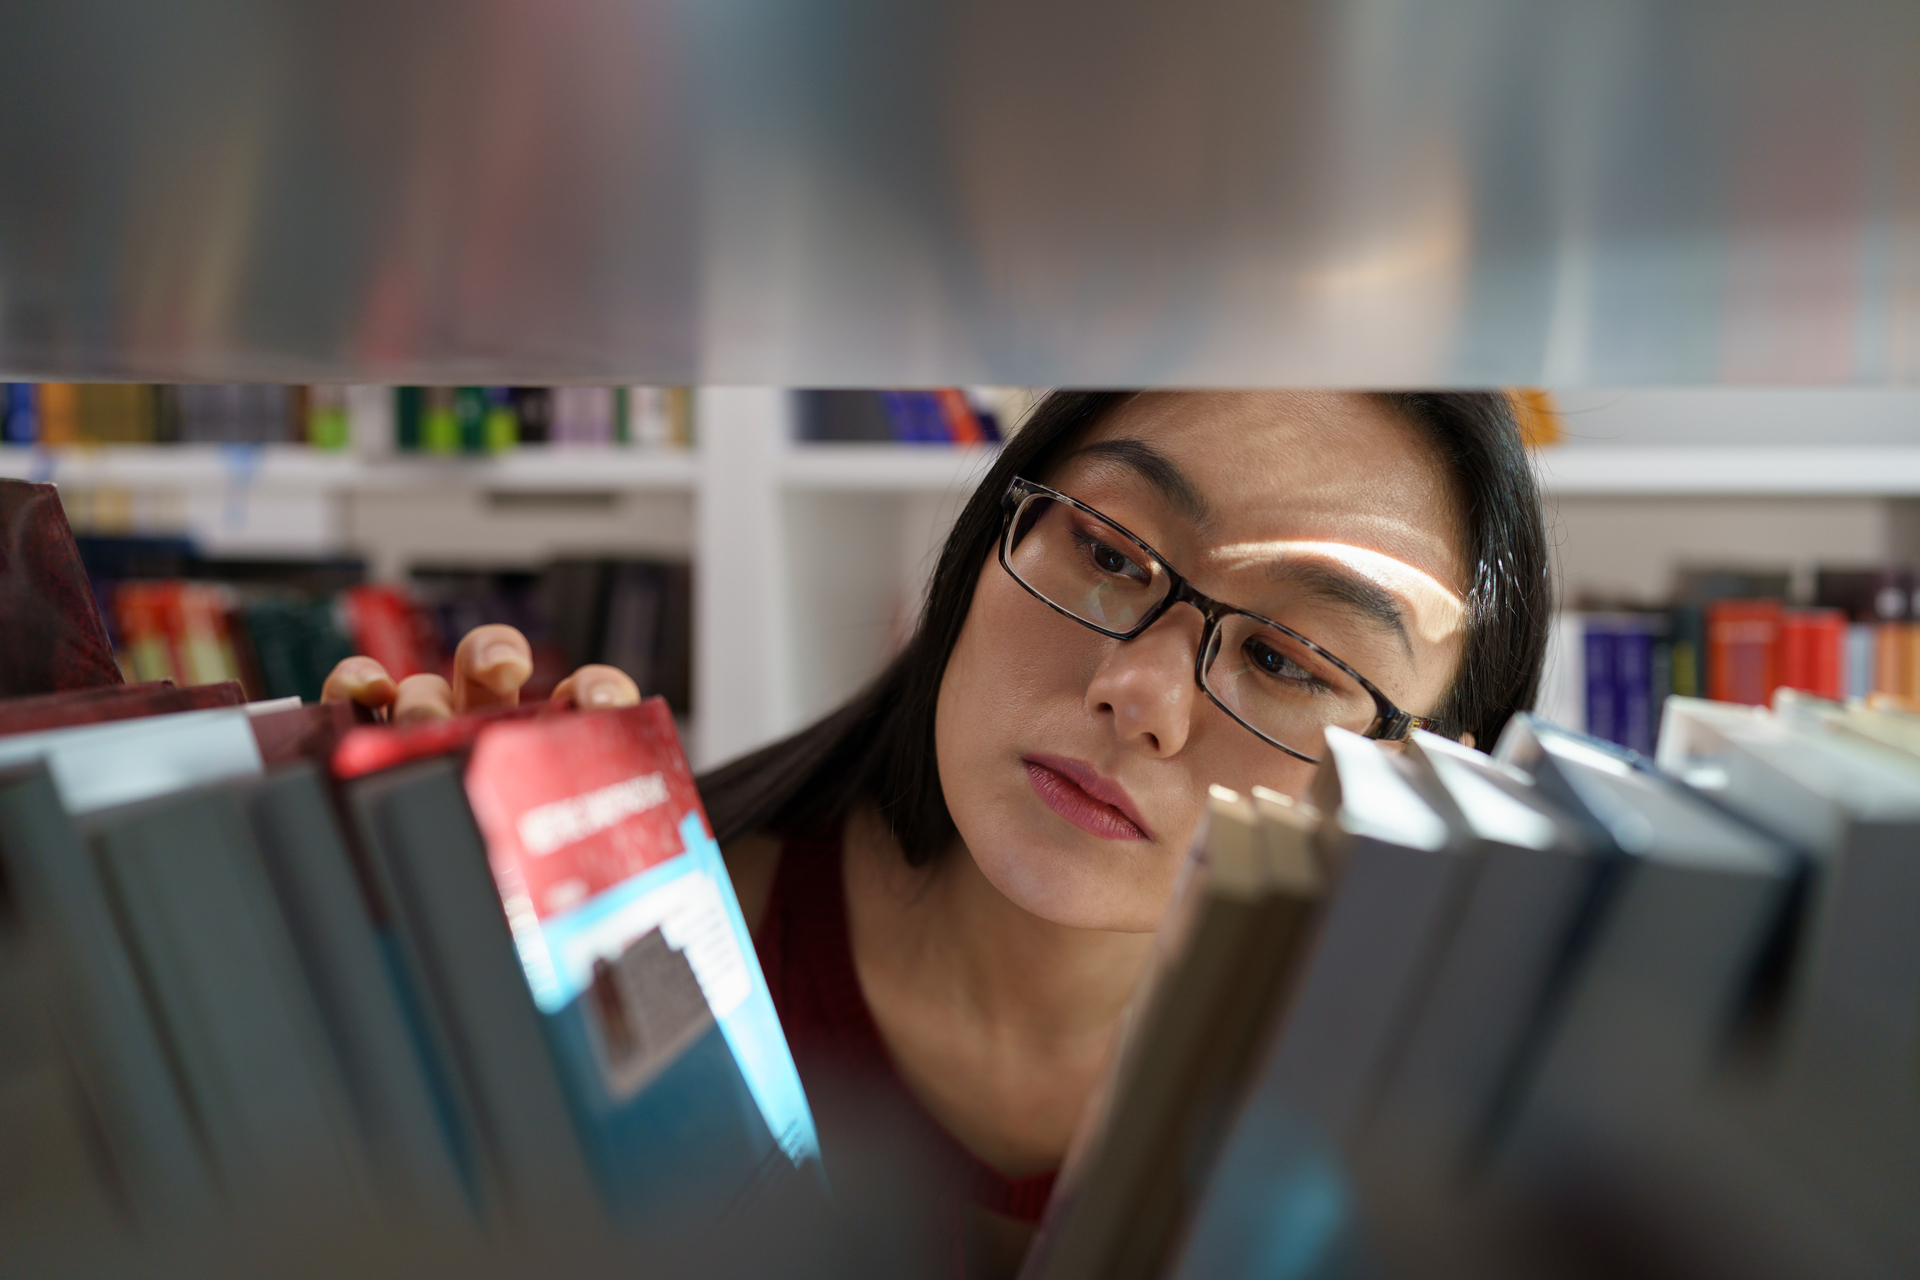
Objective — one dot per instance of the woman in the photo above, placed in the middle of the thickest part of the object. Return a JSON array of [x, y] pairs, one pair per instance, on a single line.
[[954, 877]]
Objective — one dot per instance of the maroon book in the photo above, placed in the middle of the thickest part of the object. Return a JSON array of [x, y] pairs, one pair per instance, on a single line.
[[309, 732], [51, 636], [118, 702]]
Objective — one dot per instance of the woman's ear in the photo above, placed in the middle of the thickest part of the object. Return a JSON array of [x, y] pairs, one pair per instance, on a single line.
[[1466, 740]]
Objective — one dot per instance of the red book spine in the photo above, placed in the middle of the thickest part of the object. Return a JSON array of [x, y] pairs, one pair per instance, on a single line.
[[1743, 645], [389, 629], [1796, 651], [1827, 656]]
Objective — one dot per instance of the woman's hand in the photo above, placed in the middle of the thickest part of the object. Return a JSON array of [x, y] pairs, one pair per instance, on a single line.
[[489, 667]]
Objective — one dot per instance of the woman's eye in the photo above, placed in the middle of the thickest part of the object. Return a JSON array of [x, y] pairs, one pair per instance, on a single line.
[[1108, 558], [1270, 661]]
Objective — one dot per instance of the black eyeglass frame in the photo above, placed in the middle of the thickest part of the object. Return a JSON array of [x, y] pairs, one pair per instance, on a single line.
[[1390, 723]]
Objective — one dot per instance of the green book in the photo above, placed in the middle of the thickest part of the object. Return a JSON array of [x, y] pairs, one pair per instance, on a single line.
[[470, 418], [439, 422], [409, 404]]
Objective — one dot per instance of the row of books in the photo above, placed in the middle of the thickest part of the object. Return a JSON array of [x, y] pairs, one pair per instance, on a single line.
[[948, 415], [1559, 1011], [377, 419], [452, 420], [288, 994], [1734, 638], [278, 636]]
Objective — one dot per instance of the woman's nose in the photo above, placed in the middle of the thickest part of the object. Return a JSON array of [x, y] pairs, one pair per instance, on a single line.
[[1146, 683]]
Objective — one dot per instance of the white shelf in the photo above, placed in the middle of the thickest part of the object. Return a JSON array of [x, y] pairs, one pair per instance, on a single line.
[[886, 468], [287, 466], [1572, 470], [1844, 470]]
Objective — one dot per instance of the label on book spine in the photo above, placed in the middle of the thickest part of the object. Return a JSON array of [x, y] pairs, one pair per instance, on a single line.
[[596, 840]]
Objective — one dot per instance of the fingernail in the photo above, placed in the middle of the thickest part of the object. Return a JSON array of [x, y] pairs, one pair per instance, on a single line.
[[499, 655], [600, 695]]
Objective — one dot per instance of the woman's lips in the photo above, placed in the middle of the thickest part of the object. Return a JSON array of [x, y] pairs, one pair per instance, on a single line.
[[1075, 792]]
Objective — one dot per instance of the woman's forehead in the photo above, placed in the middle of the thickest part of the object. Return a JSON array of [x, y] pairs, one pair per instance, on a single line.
[[1290, 468]]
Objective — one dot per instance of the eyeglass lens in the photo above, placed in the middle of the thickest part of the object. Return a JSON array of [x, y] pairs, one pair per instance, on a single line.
[[1104, 577]]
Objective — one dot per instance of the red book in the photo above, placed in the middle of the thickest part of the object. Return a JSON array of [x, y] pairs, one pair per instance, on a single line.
[[54, 639], [311, 732], [963, 424], [1812, 642], [121, 702], [141, 610], [371, 748], [1743, 650], [389, 628]]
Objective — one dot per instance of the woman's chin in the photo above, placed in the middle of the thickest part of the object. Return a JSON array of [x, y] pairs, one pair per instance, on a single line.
[[1120, 890]]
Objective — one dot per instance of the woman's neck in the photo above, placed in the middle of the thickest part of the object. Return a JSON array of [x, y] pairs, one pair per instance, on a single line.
[[998, 1019]]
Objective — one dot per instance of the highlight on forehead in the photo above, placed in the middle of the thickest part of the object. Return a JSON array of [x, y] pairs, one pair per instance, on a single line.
[[1437, 612]]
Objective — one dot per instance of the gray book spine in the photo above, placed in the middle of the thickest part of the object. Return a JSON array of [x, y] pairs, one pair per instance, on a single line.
[[432, 864], [1395, 908], [104, 1014], [354, 988]]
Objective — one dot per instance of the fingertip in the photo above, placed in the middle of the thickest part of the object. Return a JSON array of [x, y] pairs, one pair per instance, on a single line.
[[502, 667]]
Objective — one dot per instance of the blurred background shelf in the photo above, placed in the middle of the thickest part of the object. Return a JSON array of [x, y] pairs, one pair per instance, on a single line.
[[888, 468], [293, 466], [1859, 470]]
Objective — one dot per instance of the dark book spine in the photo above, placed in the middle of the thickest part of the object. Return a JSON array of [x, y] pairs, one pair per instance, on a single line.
[[1598, 639], [408, 405], [470, 418], [533, 412]]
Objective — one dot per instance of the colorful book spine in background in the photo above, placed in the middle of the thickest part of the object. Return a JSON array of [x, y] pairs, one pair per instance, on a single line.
[[409, 404], [20, 414], [1743, 650], [327, 417], [470, 413], [1813, 650], [1628, 676], [533, 412], [501, 428], [59, 413], [386, 625], [439, 422]]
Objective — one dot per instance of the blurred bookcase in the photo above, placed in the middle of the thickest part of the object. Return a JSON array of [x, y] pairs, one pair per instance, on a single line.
[[810, 558]]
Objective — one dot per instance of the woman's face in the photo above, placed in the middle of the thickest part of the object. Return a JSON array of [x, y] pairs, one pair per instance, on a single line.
[[1076, 766]]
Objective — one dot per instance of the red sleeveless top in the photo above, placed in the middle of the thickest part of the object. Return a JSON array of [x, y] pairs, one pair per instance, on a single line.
[[807, 956]]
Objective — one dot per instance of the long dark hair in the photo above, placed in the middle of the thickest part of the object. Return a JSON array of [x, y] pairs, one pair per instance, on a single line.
[[879, 747]]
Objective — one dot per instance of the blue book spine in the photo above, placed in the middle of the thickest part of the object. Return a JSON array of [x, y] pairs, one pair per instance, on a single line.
[[1602, 703], [20, 411], [1858, 681], [1633, 687], [916, 417]]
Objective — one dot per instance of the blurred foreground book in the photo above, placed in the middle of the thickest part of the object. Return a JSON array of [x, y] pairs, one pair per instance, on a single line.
[[1555, 1012], [289, 995]]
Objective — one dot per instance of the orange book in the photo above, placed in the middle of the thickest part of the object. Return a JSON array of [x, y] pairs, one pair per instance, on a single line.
[[140, 615], [59, 413], [963, 424], [1743, 650], [1908, 635]]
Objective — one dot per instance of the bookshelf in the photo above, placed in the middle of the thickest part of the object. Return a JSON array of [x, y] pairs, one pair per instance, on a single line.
[[811, 557]]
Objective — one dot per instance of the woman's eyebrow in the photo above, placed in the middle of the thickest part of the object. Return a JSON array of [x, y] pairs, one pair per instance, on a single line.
[[1340, 586], [1158, 470]]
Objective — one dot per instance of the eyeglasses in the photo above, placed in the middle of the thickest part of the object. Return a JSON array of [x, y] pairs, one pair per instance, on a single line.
[[1277, 683]]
